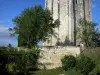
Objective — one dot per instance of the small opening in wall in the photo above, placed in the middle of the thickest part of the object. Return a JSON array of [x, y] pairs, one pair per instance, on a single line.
[[76, 1]]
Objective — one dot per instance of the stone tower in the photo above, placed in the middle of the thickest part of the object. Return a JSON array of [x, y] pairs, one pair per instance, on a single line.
[[68, 12]]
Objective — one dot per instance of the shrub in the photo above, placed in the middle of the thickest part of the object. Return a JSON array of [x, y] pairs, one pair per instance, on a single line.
[[73, 72], [26, 60], [68, 62], [96, 70], [94, 54], [18, 61], [84, 64], [56, 71], [3, 56]]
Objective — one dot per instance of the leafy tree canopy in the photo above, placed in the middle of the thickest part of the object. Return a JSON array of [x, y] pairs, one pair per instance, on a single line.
[[34, 24], [88, 33]]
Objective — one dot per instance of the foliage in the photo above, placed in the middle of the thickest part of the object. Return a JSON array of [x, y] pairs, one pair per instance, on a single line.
[[25, 60], [9, 45], [84, 64], [94, 54], [33, 25], [3, 56], [95, 40], [20, 61], [88, 33], [73, 72], [56, 71], [96, 70], [68, 62]]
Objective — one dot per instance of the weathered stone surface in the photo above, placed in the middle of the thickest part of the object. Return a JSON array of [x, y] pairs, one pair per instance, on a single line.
[[51, 57], [68, 12]]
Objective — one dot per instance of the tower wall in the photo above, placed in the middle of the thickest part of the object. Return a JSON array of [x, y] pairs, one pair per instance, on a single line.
[[55, 17], [88, 10], [68, 12], [64, 15], [83, 10]]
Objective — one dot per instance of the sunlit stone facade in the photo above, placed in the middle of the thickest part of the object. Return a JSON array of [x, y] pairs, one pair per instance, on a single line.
[[68, 12]]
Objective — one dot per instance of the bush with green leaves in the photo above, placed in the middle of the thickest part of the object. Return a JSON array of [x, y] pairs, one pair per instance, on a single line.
[[73, 72], [24, 60], [19, 61], [94, 54], [96, 70], [56, 71], [68, 62], [84, 64], [3, 56]]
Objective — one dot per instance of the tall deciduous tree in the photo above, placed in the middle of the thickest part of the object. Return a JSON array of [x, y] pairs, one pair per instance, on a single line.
[[34, 24], [88, 33]]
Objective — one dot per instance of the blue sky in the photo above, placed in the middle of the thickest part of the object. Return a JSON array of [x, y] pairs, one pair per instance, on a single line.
[[11, 8]]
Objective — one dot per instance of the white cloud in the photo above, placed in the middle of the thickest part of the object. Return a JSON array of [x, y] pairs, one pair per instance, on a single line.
[[3, 29], [5, 37], [93, 4], [5, 21]]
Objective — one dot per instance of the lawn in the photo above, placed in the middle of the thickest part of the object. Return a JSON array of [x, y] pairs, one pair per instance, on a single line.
[[56, 71]]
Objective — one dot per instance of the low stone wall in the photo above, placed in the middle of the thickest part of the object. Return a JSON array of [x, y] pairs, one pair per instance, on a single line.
[[50, 57]]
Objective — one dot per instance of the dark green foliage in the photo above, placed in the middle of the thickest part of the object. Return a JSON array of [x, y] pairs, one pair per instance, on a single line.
[[26, 61], [84, 64], [87, 63], [9, 45], [3, 56], [88, 33], [4, 60], [56, 71], [94, 54], [68, 62], [33, 25], [73, 72], [96, 70], [95, 39], [21, 60], [21, 41]]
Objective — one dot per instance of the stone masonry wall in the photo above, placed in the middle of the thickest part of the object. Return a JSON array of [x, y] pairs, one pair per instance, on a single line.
[[51, 57], [68, 12]]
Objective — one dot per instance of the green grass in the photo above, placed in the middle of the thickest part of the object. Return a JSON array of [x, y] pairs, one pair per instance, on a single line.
[[56, 71], [94, 54]]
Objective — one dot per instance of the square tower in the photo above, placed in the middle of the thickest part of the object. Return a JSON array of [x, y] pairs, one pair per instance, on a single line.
[[68, 12]]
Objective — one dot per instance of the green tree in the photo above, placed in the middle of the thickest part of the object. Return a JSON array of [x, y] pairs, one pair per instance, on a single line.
[[87, 32], [34, 24], [9, 45], [96, 39]]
